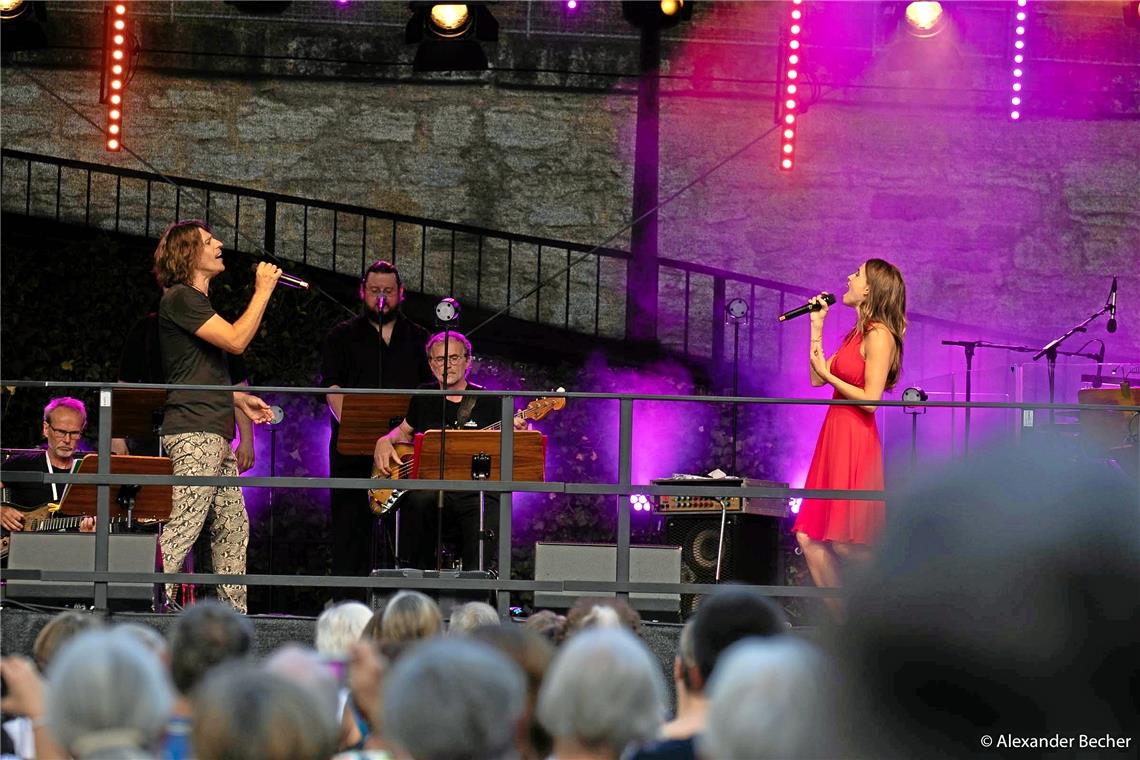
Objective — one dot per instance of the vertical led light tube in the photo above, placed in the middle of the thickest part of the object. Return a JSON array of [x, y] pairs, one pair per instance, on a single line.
[[789, 86], [115, 71], [1017, 69]]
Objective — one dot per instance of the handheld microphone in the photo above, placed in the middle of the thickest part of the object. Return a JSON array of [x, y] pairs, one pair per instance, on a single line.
[[807, 308], [289, 280], [1111, 326]]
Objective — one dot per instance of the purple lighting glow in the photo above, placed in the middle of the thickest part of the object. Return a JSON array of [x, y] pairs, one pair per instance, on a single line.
[[571, 5]]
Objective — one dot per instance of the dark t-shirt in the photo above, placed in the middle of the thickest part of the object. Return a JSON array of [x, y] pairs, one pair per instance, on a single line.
[[141, 360], [186, 358], [424, 412], [351, 357], [28, 496]]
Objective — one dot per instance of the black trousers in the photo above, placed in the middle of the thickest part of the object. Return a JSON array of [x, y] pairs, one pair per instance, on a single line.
[[352, 522], [419, 513]]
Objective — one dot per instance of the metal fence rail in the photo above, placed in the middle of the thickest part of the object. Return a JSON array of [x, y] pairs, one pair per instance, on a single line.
[[103, 479]]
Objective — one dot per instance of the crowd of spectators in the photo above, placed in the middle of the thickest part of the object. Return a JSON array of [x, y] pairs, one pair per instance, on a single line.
[[1008, 608]]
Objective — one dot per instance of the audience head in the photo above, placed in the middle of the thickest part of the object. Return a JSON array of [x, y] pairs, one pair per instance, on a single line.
[[1002, 601], [242, 712], [410, 616], [589, 612], [149, 637], [727, 616], [306, 668], [685, 663], [57, 632], [603, 691], [454, 698], [548, 624], [106, 696], [470, 616], [341, 626], [765, 701], [533, 653], [203, 636]]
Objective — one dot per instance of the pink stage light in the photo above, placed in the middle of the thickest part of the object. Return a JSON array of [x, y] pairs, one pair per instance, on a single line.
[[787, 108], [1018, 70], [640, 502], [571, 5]]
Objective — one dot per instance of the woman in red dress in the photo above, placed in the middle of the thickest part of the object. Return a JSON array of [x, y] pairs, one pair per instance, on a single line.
[[848, 453]]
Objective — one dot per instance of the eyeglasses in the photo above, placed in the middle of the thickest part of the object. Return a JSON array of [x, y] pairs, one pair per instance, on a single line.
[[65, 433], [451, 359], [386, 292]]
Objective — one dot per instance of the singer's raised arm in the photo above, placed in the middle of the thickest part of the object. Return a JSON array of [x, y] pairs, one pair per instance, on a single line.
[[236, 337]]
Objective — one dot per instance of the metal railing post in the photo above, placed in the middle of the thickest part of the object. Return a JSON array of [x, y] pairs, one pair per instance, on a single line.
[[625, 469], [103, 499], [506, 501]]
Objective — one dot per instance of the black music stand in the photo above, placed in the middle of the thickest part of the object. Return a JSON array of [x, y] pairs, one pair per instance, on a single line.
[[474, 455]]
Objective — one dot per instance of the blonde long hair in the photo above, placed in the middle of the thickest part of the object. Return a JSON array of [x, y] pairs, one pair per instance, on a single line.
[[885, 305]]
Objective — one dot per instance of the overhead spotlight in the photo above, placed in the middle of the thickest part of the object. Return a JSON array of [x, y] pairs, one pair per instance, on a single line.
[[449, 20], [924, 19], [22, 25], [448, 35], [13, 9], [663, 14]]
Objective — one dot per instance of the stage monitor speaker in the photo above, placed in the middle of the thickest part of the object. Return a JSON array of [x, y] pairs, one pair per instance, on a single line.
[[447, 599], [133, 553], [598, 562], [751, 554]]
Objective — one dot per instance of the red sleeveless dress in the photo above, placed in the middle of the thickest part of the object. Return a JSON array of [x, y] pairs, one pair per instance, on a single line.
[[847, 455]]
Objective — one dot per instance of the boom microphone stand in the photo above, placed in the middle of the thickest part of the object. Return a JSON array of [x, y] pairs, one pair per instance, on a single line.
[[446, 312]]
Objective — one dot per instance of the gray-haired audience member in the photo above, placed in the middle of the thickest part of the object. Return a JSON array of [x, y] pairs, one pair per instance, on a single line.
[[107, 697], [470, 616], [203, 636], [242, 712], [1002, 603], [603, 692], [766, 700], [149, 637], [454, 698], [340, 626], [306, 668]]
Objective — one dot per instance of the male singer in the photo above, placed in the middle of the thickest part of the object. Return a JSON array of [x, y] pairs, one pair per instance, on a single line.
[[198, 426], [378, 348]]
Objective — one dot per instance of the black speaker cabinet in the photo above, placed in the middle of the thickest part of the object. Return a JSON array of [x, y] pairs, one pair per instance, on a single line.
[[751, 554], [447, 599], [76, 551]]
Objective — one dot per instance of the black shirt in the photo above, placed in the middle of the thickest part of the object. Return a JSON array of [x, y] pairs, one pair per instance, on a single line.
[[141, 360], [424, 412], [28, 496], [186, 358], [351, 356]]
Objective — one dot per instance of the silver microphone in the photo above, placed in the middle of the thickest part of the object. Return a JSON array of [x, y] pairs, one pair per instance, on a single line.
[[278, 414]]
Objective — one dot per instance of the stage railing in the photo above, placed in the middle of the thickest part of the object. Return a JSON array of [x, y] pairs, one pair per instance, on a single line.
[[624, 486]]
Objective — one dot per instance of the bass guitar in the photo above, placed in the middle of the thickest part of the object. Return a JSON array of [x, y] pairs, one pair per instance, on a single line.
[[382, 500], [42, 519]]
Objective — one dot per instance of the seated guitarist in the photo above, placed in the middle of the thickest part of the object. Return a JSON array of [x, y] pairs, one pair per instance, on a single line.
[[450, 362], [64, 421]]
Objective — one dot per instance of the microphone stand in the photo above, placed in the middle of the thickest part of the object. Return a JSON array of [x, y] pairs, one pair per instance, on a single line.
[[442, 447], [378, 524], [1050, 352]]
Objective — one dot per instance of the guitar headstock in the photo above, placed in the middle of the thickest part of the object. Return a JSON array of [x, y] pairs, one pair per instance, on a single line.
[[541, 407]]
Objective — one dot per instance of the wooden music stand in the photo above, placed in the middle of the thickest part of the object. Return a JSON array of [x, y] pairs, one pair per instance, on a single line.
[[364, 418], [151, 502], [133, 412], [462, 448], [462, 445]]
